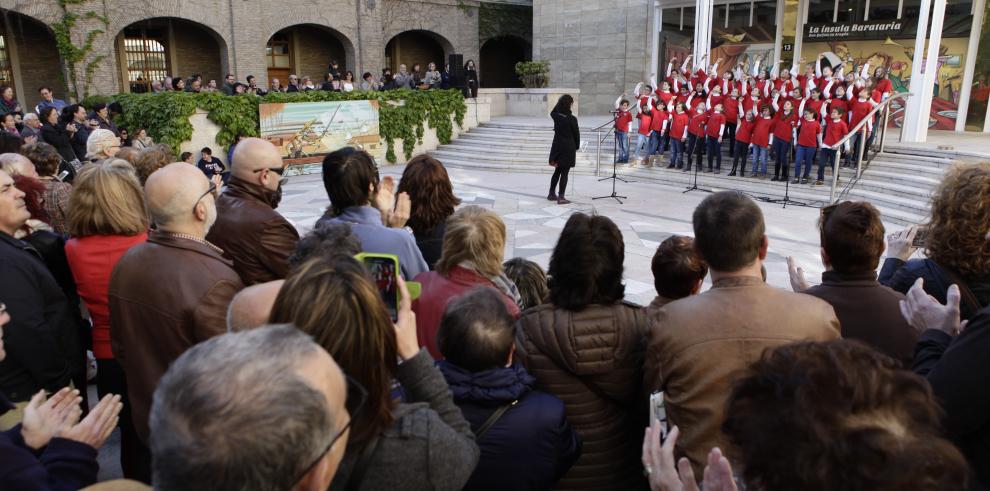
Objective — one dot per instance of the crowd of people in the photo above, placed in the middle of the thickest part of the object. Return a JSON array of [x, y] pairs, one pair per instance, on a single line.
[[233, 353], [767, 112], [336, 79]]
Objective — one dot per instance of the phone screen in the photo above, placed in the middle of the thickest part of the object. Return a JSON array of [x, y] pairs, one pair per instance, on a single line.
[[920, 236], [383, 272]]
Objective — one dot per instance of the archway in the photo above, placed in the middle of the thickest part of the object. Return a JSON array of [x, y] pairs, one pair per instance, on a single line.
[[412, 47], [306, 50], [498, 61], [153, 49], [29, 58]]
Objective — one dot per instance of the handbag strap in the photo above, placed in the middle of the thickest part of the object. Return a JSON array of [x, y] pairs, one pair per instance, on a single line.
[[361, 466], [496, 415], [969, 299]]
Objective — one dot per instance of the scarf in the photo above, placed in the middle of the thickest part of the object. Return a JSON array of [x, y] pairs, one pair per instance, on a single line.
[[500, 281]]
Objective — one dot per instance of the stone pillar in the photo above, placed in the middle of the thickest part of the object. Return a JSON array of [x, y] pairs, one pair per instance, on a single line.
[[971, 52], [916, 113]]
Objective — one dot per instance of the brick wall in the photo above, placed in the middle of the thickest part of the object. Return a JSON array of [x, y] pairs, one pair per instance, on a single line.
[[314, 48], [38, 60], [414, 47], [195, 51]]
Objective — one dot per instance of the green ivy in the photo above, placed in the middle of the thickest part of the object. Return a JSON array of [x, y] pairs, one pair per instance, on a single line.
[[402, 113], [70, 54]]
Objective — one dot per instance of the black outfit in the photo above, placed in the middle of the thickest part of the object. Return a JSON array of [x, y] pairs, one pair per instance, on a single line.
[[211, 167], [79, 140], [471, 76], [531, 445], [105, 124], [58, 137], [959, 373], [900, 276], [430, 243], [563, 150], [135, 458], [292, 88], [328, 86], [41, 340]]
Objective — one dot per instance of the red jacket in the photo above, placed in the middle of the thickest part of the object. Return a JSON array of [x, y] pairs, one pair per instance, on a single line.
[[783, 126], [437, 291], [730, 108], [697, 125], [91, 260], [715, 125], [745, 131], [678, 125], [761, 131], [644, 123], [808, 134], [623, 121], [834, 131], [659, 118]]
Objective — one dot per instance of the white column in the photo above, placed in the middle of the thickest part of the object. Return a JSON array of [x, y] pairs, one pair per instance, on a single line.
[[655, 52], [931, 65], [703, 29], [915, 129], [971, 49]]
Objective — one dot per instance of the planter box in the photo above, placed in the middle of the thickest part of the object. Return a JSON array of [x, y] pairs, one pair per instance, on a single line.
[[526, 102]]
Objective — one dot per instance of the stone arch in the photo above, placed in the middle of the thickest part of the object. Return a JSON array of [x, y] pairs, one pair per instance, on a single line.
[[153, 47], [498, 58], [29, 58], [310, 49], [417, 46]]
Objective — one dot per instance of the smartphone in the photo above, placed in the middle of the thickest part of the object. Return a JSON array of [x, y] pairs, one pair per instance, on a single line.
[[659, 412], [920, 237], [384, 270], [62, 175]]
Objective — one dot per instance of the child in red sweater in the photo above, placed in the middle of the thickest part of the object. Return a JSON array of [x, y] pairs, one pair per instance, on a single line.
[[835, 131], [742, 141], [623, 123], [658, 125], [808, 141], [715, 128], [784, 124], [696, 135], [679, 121]]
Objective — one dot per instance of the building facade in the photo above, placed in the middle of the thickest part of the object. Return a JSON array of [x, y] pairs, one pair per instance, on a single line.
[[135, 42], [605, 48]]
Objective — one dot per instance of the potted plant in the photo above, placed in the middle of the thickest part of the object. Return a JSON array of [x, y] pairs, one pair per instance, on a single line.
[[534, 74]]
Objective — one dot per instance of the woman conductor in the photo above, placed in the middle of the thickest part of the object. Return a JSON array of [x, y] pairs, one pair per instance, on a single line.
[[563, 151]]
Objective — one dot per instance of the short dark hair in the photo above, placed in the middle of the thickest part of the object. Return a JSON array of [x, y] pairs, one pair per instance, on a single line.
[[586, 264], [837, 415], [677, 267], [366, 75], [347, 175], [530, 279], [840, 110], [9, 142], [185, 155], [327, 239], [99, 106], [228, 75], [852, 236], [477, 331], [728, 230], [249, 78], [45, 87], [206, 150]]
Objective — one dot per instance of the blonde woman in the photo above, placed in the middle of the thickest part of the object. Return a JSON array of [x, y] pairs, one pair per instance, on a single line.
[[472, 253], [102, 144], [107, 216]]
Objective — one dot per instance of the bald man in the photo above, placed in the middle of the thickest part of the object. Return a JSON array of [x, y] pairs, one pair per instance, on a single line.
[[253, 235], [15, 164], [172, 292], [252, 306]]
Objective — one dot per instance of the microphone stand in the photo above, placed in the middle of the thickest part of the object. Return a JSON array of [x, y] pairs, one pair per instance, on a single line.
[[694, 187], [615, 176]]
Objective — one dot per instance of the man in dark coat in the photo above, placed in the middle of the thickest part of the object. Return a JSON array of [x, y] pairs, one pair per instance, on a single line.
[[563, 150], [525, 439]]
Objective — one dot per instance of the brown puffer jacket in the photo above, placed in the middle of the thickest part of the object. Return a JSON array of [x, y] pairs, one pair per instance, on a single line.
[[593, 361]]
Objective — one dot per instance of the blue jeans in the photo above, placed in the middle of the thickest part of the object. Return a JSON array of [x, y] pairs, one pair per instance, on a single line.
[[676, 152], [622, 138], [854, 143], [760, 156], [805, 158], [656, 144], [826, 157], [714, 152], [642, 144], [782, 166]]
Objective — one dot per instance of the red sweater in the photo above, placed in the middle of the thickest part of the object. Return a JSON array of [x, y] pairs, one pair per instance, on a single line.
[[745, 131], [858, 110], [659, 117], [816, 105], [91, 260], [623, 121], [808, 134], [884, 86], [783, 125], [834, 131], [761, 131], [715, 125], [678, 125], [437, 291], [697, 125], [665, 97], [841, 103], [644, 123], [730, 108]]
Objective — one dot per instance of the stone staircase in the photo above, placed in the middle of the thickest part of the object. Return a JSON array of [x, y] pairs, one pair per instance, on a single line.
[[898, 182]]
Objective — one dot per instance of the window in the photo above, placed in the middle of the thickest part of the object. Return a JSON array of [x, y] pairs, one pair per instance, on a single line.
[[883, 9], [277, 51], [719, 16], [851, 10], [146, 59], [739, 15], [765, 15], [821, 11], [688, 19], [671, 19], [6, 73]]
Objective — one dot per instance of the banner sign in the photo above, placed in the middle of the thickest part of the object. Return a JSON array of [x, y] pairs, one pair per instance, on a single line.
[[306, 131], [858, 31]]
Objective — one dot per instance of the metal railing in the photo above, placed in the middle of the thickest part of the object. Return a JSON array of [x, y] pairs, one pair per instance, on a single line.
[[862, 131], [601, 139]]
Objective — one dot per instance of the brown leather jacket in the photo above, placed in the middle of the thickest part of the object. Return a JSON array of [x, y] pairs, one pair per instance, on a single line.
[[252, 234], [593, 361], [700, 345], [165, 296]]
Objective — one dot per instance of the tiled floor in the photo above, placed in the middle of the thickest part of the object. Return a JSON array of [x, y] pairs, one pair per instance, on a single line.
[[652, 213]]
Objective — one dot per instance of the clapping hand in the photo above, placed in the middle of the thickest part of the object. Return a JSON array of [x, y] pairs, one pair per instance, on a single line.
[[407, 343], [43, 419], [658, 460], [798, 282], [923, 312], [94, 429], [394, 209]]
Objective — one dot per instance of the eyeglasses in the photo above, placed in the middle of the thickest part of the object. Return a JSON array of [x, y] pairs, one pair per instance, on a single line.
[[356, 397], [210, 190], [277, 170]]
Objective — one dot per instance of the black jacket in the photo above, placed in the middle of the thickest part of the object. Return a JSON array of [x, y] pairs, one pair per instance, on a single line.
[[531, 445], [959, 373], [900, 276], [430, 243], [79, 140], [566, 139], [58, 137], [41, 339]]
